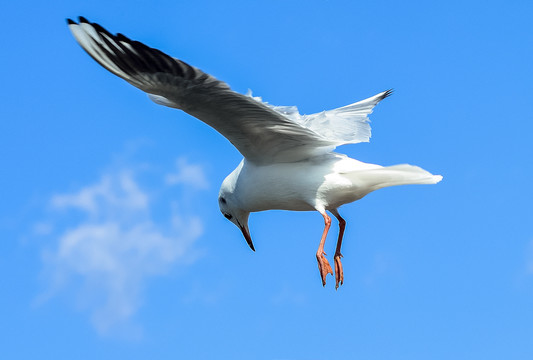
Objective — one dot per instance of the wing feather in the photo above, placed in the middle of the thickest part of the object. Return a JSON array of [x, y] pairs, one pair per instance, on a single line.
[[260, 133], [345, 125]]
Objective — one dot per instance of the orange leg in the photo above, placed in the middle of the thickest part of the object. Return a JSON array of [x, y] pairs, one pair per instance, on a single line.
[[323, 264], [339, 275]]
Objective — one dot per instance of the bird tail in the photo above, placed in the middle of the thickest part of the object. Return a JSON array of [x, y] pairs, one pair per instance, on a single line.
[[403, 174]]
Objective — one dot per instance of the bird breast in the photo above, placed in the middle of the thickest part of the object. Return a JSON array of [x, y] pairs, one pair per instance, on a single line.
[[298, 186]]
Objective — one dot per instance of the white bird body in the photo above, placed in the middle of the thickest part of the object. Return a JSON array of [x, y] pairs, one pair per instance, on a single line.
[[322, 182], [288, 160]]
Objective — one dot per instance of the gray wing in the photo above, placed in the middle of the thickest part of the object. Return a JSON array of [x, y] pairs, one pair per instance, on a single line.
[[348, 124], [260, 133], [345, 125]]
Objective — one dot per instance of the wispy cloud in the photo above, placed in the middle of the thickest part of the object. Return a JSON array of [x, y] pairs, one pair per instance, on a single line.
[[112, 195], [188, 174], [115, 246]]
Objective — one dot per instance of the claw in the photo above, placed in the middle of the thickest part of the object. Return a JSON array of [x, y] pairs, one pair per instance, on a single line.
[[339, 275], [323, 266]]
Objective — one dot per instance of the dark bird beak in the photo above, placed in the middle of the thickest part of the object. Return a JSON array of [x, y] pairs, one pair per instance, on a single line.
[[246, 234]]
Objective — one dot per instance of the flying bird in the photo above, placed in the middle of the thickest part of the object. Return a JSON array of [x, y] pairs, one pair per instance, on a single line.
[[288, 163]]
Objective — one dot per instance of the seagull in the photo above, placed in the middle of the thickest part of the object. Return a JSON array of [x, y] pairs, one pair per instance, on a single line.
[[288, 159]]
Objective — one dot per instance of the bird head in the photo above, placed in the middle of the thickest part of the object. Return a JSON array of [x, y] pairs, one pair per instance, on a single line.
[[232, 212]]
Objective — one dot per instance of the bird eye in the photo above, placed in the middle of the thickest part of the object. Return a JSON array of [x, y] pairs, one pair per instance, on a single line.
[[222, 200], [228, 216]]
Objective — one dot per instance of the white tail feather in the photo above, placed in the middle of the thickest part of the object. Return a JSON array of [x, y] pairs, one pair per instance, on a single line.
[[403, 174]]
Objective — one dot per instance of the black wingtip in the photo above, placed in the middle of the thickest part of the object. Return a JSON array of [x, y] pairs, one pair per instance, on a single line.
[[251, 245], [122, 37], [71, 22], [388, 93], [83, 20]]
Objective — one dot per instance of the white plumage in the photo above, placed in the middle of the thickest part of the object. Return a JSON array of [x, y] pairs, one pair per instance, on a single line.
[[288, 160]]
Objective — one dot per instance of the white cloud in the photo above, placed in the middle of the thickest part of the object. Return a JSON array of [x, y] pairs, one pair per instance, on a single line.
[[108, 256], [188, 174], [114, 192]]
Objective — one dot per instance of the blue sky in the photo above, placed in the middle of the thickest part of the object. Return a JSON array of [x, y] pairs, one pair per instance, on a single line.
[[112, 242]]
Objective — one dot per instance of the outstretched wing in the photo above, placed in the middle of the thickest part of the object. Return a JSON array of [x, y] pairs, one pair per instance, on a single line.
[[346, 125], [260, 133]]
